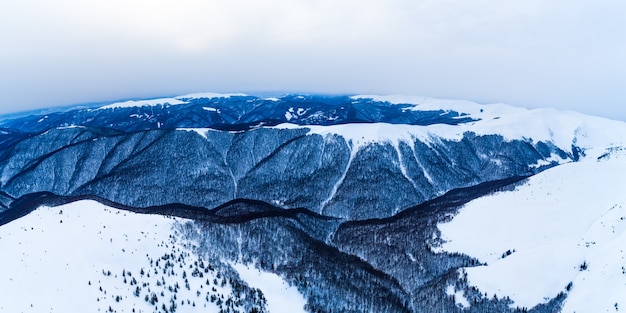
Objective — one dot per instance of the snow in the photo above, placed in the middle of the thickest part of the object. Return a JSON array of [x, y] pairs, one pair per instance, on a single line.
[[561, 218], [553, 158], [339, 181], [403, 168], [168, 101], [71, 127], [210, 95], [281, 298], [563, 128], [566, 216], [359, 135], [459, 297], [200, 131], [56, 251], [210, 109], [591, 134], [295, 113], [140, 103], [82, 254]]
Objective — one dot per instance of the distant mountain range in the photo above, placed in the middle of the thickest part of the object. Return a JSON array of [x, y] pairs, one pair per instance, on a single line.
[[350, 203]]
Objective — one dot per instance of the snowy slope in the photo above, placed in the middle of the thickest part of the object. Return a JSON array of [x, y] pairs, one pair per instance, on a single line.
[[566, 224], [563, 128], [282, 297], [167, 101], [386, 118], [87, 257]]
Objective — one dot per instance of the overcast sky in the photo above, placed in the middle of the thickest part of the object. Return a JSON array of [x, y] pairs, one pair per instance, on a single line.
[[569, 54]]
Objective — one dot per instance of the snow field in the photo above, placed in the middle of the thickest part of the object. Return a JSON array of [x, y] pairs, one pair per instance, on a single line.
[[169, 101], [87, 257], [566, 224], [281, 298], [563, 128]]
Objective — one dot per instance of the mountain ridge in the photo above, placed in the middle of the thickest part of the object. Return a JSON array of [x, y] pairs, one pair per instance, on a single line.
[[348, 199]]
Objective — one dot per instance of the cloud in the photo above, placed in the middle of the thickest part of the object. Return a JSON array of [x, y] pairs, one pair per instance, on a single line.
[[532, 53]]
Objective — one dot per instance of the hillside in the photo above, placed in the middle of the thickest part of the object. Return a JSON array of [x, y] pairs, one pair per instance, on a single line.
[[311, 202]]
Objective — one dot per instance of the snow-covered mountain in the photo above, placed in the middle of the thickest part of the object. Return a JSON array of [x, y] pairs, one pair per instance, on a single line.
[[352, 201]]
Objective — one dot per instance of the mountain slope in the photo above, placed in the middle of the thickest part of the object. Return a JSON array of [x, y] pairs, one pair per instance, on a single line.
[[234, 112], [97, 258], [353, 171], [289, 167], [350, 200], [562, 231], [212, 244]]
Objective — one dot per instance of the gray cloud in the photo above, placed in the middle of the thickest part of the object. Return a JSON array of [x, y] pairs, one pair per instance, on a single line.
[[565, 54]]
